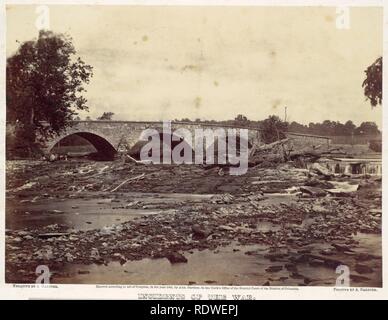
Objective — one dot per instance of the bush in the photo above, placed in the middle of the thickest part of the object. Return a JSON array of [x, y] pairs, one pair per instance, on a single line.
[[375, 145], [273, 129], [21, 144]]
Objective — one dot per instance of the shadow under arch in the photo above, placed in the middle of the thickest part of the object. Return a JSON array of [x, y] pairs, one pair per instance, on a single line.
[[105, 150], [227, 153], [163, 138]]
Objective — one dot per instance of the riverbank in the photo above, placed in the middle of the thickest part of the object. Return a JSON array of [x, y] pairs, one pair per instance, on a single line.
[[272, 226]]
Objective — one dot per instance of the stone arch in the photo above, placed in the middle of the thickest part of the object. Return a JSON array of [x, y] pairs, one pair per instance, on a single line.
[[136, 148], [227, 153], [102, 144]]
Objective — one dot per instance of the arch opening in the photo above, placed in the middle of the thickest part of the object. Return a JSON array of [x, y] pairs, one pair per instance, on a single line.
[[85, 144], [227, 153], [165, 139]]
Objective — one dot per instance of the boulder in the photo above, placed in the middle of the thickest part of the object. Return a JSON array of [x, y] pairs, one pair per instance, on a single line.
[[320, 169], [175, 257], [315, 192], [361, 268], [314, 182], [200, 232], [320, 209], [274, 268], [46, 253], [94, 254]]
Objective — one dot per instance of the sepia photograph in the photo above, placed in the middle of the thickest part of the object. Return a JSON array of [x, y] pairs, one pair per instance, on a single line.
[[193, 145]]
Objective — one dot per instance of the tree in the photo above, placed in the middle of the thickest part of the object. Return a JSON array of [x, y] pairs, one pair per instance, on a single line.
[[297, 127], [349, 127], [44, 81], [272, 129], [241, 118], [375, 145], [106, 116], [367, 128], [373, 82]]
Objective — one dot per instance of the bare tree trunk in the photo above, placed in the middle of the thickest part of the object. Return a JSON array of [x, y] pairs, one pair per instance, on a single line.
[[31, 128]]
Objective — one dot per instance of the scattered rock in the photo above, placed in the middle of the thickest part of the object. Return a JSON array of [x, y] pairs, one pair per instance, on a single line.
[[364, 256], [293, 229], [314, 182], [176, 257], [94, 254], [83, 272], [315, 192], [69, 257], [320, 209], [46, 253], [341, 247], [291, 267], [200, 232], [358, 278], [296, 275], [210, 281], [274, 268], [318, 168], [52, 235], [222, 198], [55, 211], [225, 228], [361, 269]]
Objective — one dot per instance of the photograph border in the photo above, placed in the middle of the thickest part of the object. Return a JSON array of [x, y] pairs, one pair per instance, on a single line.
[[176, 292]]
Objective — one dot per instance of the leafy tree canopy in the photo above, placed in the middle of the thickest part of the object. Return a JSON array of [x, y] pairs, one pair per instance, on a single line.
[[45, 81], [106, 116], [373, 82], [273, 129]]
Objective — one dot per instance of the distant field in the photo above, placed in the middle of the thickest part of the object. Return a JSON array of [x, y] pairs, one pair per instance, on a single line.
[[74, 149], [74, 144]]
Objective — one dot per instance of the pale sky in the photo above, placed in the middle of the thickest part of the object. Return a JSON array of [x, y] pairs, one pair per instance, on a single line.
[[162, 63]]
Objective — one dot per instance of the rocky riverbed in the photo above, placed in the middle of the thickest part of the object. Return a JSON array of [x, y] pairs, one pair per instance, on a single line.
[[117, 222]]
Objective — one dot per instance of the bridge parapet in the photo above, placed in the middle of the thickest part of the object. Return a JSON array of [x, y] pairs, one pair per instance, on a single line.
[[127, 133]]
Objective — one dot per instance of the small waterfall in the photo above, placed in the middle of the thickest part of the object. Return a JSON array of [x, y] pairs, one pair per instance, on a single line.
[[355, 166], [374, 169]]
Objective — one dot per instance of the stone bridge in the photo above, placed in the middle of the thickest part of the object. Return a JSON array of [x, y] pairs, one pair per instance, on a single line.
[[110, 137]]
